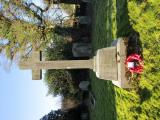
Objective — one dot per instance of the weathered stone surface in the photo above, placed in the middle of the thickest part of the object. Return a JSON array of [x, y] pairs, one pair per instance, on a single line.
[[82, 49], [84, 20], [106, 64], [123, 81], [84, 85], [29, 64], [86, 0], [65, 64]]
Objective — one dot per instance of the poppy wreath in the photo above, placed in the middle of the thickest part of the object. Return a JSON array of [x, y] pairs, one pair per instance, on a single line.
[[138, 68]]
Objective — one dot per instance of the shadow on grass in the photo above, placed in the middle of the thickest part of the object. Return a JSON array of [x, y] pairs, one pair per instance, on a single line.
[[124, 27], [145, 94]]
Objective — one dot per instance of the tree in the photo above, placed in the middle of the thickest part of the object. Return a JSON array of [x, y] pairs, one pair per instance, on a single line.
[[54, 115], [25, 26], [70, 114]]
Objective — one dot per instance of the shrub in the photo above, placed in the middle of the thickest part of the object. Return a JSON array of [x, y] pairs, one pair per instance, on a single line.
[[59, 81], [145, 19]]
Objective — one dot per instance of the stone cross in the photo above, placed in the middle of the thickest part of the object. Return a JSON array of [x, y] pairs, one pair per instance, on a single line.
[[29, 64], [108, 64], [35, 63]]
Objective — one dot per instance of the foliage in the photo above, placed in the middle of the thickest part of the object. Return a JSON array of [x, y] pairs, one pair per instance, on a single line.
[[19, 35], [70, 114], [145, 18], [24, 28], [54, 115], [69, 8], [59, 81]]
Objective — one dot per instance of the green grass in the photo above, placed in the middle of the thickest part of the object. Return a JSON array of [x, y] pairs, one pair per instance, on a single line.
[[104, 92], [110, 21]]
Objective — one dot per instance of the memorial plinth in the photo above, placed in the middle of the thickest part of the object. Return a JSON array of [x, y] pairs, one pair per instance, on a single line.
[[108, 64]]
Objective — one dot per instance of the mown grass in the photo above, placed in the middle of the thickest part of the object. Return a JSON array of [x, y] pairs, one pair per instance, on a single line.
[[110, 21], [104, 92]]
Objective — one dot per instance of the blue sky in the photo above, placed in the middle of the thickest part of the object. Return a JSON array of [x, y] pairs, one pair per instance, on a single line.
[[22, 98]]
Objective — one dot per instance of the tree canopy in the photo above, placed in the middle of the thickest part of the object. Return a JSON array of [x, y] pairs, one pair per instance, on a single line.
[[25, 26]]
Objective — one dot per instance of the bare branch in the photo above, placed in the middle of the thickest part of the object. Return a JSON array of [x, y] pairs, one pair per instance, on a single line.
[[12, 13], [39, 8], [20, 6]]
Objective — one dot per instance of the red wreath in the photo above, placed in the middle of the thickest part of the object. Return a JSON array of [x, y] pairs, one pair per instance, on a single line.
[[138, 67]]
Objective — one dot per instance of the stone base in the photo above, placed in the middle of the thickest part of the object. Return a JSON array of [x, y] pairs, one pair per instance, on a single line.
[[123, 81], [109, 64], [105, 64]]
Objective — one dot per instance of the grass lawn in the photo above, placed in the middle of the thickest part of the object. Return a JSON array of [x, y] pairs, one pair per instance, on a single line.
[[110, 20]]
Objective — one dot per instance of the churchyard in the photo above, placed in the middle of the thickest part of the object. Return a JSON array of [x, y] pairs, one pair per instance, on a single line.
[[111, 101]]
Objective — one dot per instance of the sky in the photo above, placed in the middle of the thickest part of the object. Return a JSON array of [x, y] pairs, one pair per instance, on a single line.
[[22, 98]]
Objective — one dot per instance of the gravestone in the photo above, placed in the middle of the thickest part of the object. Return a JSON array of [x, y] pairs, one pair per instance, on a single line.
[[87, 1], [83, 85], [82, 49], [108, 64], [84, 20]]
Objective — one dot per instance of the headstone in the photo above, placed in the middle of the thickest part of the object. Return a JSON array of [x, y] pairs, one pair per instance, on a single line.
[[82, 50], [86, 1], [84, 116], [84, 20], [84, 85]]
